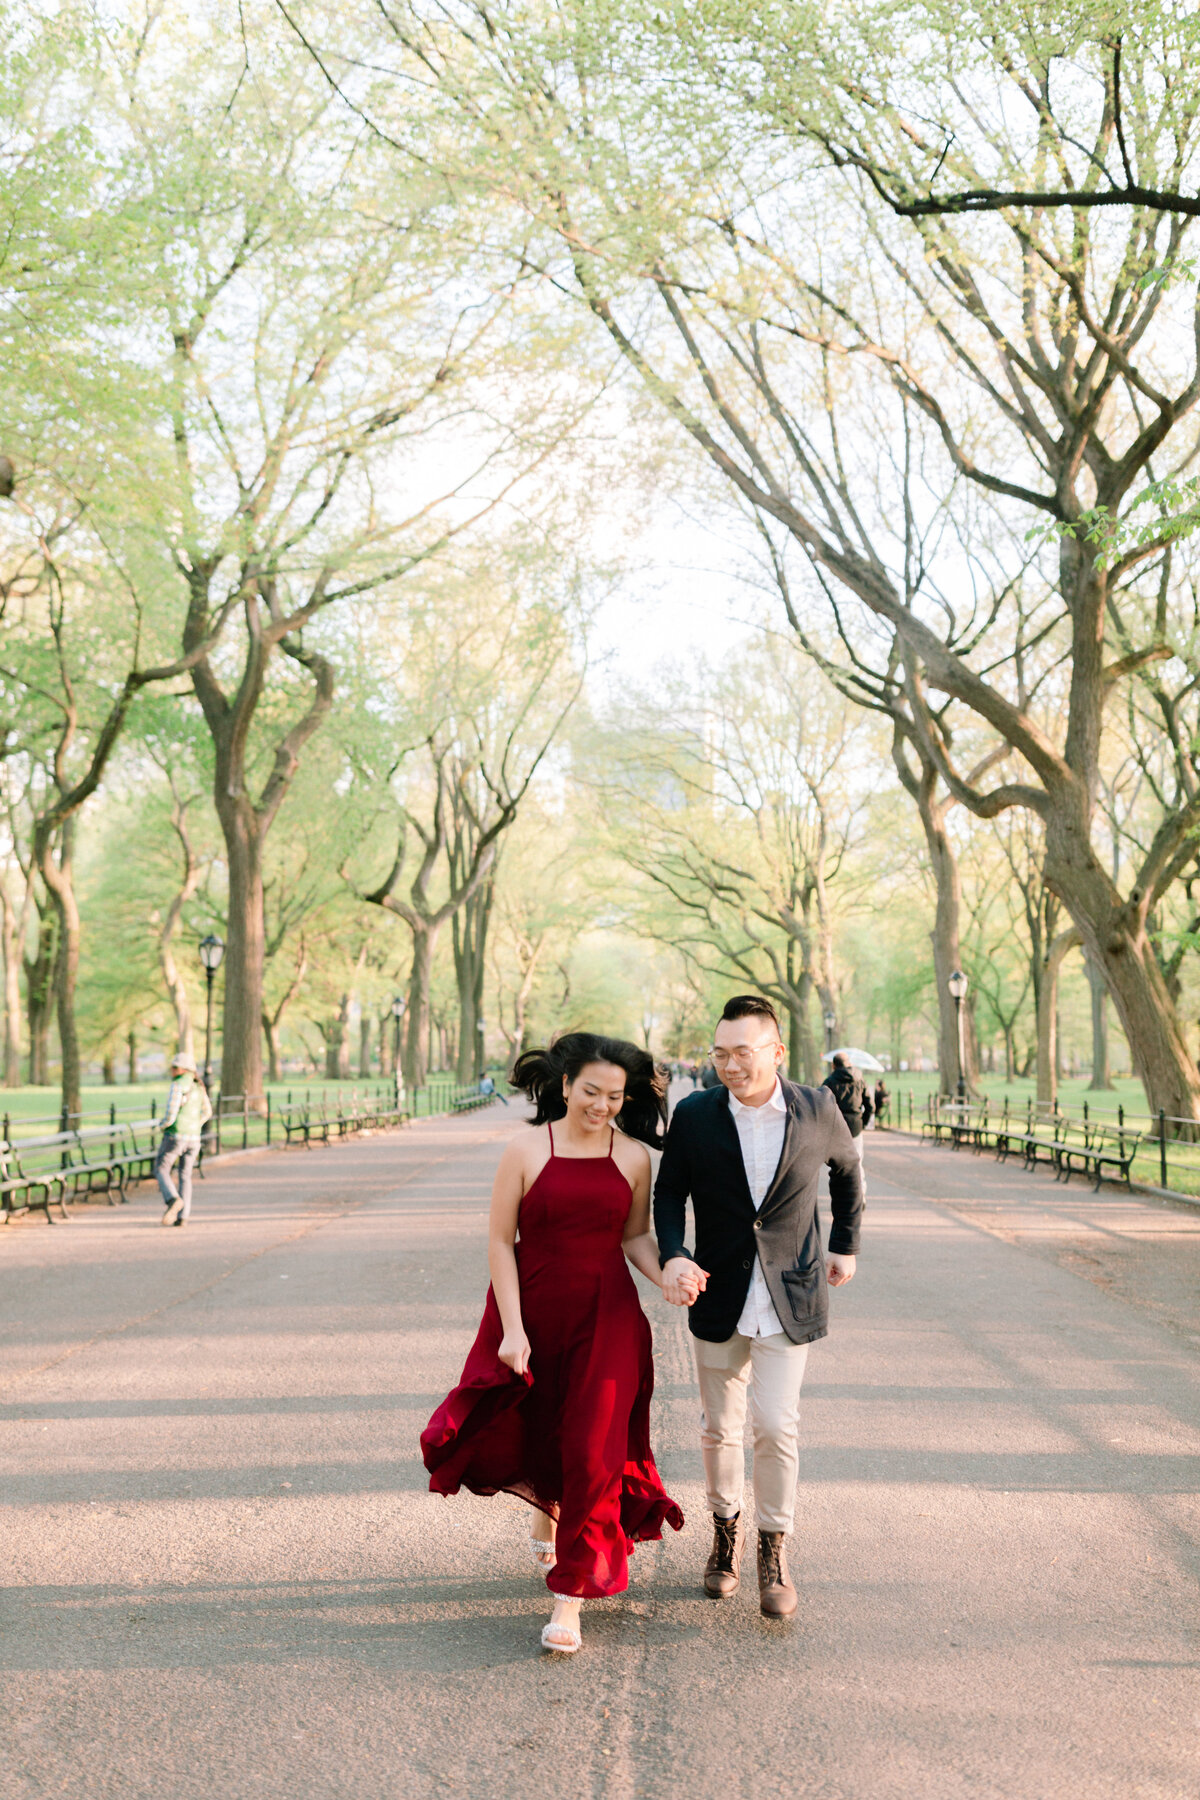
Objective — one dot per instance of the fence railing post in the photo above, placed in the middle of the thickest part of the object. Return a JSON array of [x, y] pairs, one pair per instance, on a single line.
[[1162, 1146]]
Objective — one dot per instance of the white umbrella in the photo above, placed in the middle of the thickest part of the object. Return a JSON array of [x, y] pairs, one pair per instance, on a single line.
[[862, 1059]]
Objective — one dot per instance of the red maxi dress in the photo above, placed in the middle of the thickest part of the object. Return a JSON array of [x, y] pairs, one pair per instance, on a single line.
[[572, 1435]]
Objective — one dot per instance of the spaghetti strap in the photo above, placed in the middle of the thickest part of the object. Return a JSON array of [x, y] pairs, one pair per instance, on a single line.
[[550, 1129]]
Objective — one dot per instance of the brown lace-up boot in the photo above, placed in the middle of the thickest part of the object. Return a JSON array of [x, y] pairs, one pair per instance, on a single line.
[[723, 1568], [776, 1595]]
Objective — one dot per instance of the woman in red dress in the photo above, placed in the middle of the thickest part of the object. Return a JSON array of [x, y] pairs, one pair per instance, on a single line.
[[554, 1399]]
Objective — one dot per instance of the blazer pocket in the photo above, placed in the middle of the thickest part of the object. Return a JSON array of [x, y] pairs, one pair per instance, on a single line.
[[803, 1289]]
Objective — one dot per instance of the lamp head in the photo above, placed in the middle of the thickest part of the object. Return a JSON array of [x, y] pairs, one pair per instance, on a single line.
[[398, 1006], [212, 949], [958, 985], [830, 1021]]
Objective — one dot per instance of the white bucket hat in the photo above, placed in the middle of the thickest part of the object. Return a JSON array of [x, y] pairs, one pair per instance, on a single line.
[[181, 1060]]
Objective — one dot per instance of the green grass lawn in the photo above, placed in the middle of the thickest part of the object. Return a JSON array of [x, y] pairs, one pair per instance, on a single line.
[[1073, 1091]]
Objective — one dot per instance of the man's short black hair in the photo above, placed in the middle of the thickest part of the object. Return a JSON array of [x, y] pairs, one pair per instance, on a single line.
[[750, 1006]]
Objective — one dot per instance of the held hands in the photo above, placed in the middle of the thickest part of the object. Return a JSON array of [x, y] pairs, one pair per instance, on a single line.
[[839, 1268], [683, 1280], [514, 1351]]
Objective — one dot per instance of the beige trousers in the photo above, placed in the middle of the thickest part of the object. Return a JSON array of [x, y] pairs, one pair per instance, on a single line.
[[768, 1372]]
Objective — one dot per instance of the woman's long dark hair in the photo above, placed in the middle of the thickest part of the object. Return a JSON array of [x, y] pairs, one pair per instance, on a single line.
[[539, 1074]]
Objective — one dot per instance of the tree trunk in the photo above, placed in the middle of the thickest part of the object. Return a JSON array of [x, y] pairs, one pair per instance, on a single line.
[[530, 954], [177, 989], [245, 950], [946, 935], [108, 1069], [1114, 937], [810, 1054], [470, 928], [271, 1036], [12, 990], [387, 1031], [947, 953], [39, 996], [1010, 1055], [337, 1043], [1047, 1015], [416, 1019], [364, 1046], [58, 875], [133, 1058], [1101, 1081]]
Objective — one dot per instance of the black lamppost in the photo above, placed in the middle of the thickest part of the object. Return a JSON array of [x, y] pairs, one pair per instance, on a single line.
[[830, 1022], [398, 1008], [958, 993], [481, 1028], [211, 951]]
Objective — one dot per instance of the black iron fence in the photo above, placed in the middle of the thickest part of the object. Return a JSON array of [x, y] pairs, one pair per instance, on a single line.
[[242, 1124]]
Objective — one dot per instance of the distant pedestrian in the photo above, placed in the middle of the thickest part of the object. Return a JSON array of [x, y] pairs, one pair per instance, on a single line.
[[709, 1077], [854, 1103], [882, 1102], [188, 1112]]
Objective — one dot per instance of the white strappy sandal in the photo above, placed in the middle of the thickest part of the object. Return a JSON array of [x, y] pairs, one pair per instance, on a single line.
[[567, 1642], [544, 1553]]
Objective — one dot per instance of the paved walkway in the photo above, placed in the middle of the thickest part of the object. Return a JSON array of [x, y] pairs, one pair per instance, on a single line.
[[223, 1579]]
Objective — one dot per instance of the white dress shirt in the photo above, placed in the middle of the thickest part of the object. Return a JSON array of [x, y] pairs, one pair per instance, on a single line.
[[760, 1132]]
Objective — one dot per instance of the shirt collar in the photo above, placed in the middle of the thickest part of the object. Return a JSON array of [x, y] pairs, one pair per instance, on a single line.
[[777, 1101]]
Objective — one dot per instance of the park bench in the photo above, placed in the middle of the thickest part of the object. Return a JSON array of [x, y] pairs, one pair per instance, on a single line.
[[32, 1176], [1045, 1140], [97, 1158], [1103, 1146], [469, 1099], [953, 1123], [303, 1120], [1069, 1146], [73, 1165], [969, 1127]]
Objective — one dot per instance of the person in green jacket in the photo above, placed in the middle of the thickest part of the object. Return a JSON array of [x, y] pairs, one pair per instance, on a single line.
[[188, 1111]]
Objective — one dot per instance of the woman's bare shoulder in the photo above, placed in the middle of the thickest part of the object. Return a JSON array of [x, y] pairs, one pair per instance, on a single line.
[[631, 1157], [526, 1153]]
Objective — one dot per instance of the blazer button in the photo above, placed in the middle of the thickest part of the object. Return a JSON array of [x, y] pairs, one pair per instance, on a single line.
[[746, 1264], [758, 1224]]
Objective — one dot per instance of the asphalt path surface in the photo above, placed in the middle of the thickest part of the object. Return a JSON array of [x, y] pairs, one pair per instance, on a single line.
[[222, 1576]]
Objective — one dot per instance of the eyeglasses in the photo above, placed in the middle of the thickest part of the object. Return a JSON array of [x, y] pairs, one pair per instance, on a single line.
[[745, 1053]]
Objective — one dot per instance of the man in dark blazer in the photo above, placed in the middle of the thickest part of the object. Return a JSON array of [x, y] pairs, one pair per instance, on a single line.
[[748, 1154]]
